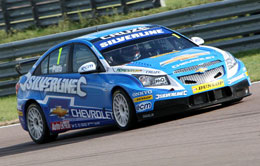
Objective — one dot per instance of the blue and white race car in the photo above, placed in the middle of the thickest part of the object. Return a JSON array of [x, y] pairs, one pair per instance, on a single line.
[[123, 75]]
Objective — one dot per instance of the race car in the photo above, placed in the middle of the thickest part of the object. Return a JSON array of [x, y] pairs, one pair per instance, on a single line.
[[123, 75]]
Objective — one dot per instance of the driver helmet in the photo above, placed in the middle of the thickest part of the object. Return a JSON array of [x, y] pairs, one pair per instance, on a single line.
[[132, 53]]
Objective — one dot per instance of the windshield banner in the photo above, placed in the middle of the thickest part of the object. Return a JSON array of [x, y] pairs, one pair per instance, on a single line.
[[109, 41]]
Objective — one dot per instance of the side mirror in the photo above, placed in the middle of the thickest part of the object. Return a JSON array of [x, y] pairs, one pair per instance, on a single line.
[[87, 67], [197, 40]]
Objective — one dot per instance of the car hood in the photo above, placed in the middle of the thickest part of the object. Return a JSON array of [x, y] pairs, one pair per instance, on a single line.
[[170, 62]]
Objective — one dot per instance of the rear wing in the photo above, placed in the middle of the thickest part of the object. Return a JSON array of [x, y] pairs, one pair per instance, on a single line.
[[25, 62]]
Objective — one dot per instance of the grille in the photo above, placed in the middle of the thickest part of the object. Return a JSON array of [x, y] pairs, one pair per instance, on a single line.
[[191, 68], [200, 78]]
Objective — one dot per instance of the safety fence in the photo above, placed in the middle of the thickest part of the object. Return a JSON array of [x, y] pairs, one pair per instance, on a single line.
[[232, 25], [20, 14]]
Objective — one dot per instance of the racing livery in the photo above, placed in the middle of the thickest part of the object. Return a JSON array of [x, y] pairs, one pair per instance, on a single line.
[[123, 75]]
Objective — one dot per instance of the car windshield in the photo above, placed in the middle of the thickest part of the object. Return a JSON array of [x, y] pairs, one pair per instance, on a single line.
[[146, 49]]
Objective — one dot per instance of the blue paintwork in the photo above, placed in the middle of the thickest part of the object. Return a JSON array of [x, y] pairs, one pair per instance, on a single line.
[[99, 86]]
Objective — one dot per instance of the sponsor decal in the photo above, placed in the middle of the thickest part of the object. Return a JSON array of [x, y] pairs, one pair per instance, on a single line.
[[19, 107], [53, 84], [130, 37], [183, 57], [124, 32], [128, 70], [87, 67], [141, 64], [142, 93], [143, 106], [91, 114], [237, 78], [152, 72], [149, 115], [121, 37], [208, 86], [74, 112], [134, 69], [201, 70], [192, 61], [59, 111], [20, 113], [56, 68], [85, 124], [143, 98], [164, 54], [60, 125], [160, 81], [172, 94]]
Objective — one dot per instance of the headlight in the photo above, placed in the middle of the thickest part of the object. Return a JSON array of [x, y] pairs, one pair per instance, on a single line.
[[147, 80], [230, 61]]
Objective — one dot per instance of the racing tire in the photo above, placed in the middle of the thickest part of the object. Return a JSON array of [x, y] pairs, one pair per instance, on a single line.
[[37, 126], [123, 110]]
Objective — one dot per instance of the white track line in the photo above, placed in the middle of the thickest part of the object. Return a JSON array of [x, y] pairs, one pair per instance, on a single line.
[[257, 82], [17, 124]]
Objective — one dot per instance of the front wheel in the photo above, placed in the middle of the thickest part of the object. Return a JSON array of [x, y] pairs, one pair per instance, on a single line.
[[37, 126], [123, 110]]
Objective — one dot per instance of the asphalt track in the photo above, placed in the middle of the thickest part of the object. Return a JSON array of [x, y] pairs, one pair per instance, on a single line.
[[219, 136]]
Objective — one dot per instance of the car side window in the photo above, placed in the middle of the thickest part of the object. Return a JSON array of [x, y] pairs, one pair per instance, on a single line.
[[58, 60], [44, 66], [81, 55]]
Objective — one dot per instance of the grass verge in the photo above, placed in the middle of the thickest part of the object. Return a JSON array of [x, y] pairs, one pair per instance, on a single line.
[[251, 59], [67, 25], [8, 111]]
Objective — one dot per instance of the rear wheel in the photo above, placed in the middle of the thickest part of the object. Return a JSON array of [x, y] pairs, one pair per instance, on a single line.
[[123, 110], [37, 126]]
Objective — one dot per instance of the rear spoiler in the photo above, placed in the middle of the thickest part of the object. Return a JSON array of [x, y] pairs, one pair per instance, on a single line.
[[18, 67]]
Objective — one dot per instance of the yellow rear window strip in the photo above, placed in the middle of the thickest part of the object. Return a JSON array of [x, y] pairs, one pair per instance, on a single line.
[[60, 51]]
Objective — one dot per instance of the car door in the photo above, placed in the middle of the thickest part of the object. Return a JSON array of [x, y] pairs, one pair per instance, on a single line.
[[56, 87], [90, 105]]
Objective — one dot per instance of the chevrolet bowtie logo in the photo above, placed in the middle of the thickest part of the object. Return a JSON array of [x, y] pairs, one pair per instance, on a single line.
[[59, 111], [201, 70]]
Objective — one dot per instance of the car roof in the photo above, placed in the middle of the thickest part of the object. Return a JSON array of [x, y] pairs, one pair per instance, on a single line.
[[95, 35]]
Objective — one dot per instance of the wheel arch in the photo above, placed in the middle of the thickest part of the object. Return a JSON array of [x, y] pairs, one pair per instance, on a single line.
[[27, 104], [118, 87], [123, 89]]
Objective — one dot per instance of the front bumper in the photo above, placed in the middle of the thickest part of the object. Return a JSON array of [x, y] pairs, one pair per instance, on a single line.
[[171, 106]]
